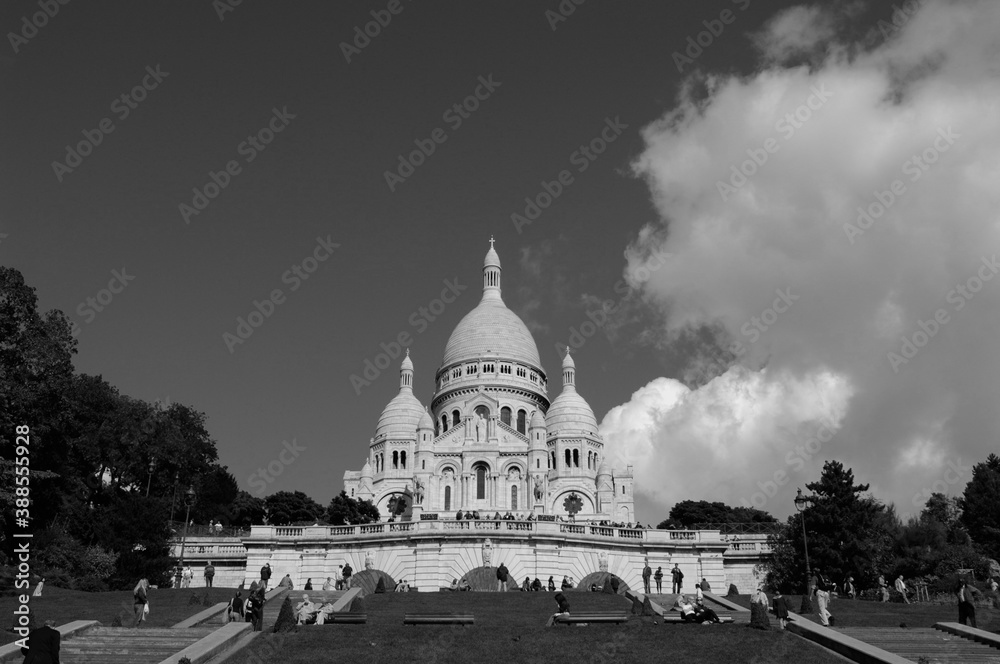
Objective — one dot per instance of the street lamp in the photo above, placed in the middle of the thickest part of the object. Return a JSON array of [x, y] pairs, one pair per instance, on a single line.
[[800, 504], [152, 466], [189, 500]]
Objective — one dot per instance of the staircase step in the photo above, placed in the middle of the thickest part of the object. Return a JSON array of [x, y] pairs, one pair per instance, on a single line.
[[121, 645], [913, 643]]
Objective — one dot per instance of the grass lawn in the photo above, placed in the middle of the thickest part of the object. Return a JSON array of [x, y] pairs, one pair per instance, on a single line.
[[859, 613], [166, 607], [510, 627]]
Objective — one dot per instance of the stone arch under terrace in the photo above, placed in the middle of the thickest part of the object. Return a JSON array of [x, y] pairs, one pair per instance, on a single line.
[[368, 579], [601, 579]]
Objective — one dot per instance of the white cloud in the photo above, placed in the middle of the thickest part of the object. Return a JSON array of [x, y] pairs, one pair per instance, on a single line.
[[882, 120]]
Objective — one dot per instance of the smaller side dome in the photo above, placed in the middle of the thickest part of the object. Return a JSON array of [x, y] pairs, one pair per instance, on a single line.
[[537, 420], [568, 362], [366, 470], [407, 364], [425, 422], [603, 470]]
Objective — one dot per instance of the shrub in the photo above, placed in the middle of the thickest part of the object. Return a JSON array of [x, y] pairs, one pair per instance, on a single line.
[[286, 617]]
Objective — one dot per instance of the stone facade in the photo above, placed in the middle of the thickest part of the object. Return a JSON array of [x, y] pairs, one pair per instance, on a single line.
[[431, 552], [490, 441]]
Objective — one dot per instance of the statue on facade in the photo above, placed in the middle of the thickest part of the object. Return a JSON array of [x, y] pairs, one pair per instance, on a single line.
[[539, 487], [487, 552], [418, 492], [369, 560], [602, 561], [480, 428]]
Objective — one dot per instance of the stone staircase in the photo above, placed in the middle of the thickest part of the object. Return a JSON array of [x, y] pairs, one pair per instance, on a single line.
[[936, 646], [126, 645]]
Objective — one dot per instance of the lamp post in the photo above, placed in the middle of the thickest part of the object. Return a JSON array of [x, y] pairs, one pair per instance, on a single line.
[[800, 504], [173, 497], [189, 500], [152, 466]]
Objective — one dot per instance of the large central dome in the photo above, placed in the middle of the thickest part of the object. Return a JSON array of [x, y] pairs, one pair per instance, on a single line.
[[491, 328]]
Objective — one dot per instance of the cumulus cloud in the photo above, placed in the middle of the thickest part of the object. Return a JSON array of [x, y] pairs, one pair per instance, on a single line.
[[832, 230]]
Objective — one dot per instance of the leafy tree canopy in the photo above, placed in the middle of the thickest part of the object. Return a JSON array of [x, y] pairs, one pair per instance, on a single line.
[[344, 510], [287, 507], [689, 513], [980, 504]]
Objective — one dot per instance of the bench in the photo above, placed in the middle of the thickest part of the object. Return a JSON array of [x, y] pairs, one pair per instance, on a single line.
[[439, 619], [603, 617], [676, 618], [346, 618]]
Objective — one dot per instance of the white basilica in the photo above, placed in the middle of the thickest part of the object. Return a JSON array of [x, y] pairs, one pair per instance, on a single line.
[[491, 441]]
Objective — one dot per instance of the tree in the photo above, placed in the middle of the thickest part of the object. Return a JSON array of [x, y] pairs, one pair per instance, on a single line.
[[849, 533], [691, 513], [344, 510], [215, 491], [35, 367], [980, 504], [286, 507], [247, 510]]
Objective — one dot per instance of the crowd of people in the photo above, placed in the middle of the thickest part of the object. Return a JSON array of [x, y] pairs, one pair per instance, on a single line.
[[530, 516]]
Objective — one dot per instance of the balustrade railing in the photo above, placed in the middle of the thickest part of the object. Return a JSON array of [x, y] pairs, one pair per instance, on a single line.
[[570, 528], [689, 535], [603, 531], [341, 530], [368, 529], [630, 534], [487, 525], [520, 525]]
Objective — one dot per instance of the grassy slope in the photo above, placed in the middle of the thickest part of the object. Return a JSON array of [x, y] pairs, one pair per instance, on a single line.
[[860, 613], [166, 607], [510, 628]]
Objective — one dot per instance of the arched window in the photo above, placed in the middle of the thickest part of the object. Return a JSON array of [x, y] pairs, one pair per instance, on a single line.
[[352, 493], [538, 464], [576, 458], [447, 498], [521, 416], [513, 497], [402, 459], [444, 422], [480, 483], [552, 460], [455, 418], [569, 459], [395, 460], [423, 465], [505, 415]]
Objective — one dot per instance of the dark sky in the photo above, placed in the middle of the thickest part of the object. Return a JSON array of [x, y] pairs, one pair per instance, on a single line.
[[323, 176]]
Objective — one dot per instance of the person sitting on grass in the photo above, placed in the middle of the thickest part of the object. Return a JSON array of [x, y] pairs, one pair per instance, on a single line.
[[402, 586], [454, 585], [565, 583], [526, 586], [305, 611], [464, 585], [536, 585], [563, 609]]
